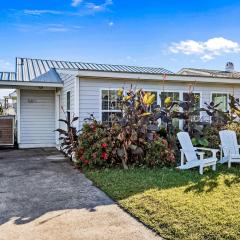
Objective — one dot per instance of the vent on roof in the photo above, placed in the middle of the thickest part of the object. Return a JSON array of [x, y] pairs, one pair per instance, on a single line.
[[229, 67]]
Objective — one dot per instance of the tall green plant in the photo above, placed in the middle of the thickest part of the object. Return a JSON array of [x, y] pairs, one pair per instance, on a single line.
[[68, 135]]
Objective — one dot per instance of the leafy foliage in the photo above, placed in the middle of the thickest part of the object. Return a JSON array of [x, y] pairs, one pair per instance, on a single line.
[[68, 136], [136, 138], [128, 139]]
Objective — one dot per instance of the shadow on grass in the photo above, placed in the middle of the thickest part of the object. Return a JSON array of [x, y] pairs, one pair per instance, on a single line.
[[121, 184], [211, 181]]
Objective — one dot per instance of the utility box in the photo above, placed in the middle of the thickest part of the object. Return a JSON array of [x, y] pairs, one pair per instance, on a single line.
[[6, 130]]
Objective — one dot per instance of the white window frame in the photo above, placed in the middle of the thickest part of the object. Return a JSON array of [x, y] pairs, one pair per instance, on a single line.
[[101, 111], [181, 99], [68, 110], [220, 92]]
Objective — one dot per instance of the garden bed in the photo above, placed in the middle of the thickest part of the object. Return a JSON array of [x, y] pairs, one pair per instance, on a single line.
[[178, 205]]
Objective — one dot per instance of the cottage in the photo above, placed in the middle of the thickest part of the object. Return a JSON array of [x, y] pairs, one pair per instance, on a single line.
[[43, 86]]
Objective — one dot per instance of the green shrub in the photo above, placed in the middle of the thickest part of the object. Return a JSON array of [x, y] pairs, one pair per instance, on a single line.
[[159, 154]]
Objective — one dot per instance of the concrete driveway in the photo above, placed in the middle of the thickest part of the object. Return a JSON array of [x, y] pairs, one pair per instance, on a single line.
[[43, 197]]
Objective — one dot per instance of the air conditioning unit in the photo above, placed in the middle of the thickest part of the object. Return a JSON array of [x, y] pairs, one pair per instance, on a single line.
[[6, 131]]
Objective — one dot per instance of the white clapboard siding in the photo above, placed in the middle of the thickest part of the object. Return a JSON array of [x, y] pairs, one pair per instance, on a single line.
[[68, 78], [37, 118], [89, 92]]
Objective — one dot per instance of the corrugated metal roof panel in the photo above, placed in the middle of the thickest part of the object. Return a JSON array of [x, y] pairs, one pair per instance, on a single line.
[[29, 69], [7, 76], [209, 72]]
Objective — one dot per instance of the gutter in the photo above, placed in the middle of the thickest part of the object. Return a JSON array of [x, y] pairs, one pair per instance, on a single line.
[[16, 84]]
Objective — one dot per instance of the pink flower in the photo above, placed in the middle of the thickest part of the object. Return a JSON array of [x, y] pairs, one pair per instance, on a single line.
[[94, 155]]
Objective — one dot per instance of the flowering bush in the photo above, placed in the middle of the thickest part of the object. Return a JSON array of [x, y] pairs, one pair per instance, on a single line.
[[94, 148]]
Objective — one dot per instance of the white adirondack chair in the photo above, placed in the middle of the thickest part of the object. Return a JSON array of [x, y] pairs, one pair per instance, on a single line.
[[191, 154], [229, 147]]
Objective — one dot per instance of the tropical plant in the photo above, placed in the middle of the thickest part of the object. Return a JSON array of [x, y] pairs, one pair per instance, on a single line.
[[159, 154], [68, 136], [138, 126]]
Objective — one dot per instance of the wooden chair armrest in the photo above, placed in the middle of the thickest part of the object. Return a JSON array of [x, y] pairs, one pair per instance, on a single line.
[[214, 151], [201, 154]]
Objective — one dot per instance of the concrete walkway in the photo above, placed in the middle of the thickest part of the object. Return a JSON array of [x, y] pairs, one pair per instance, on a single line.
[[43, 197]]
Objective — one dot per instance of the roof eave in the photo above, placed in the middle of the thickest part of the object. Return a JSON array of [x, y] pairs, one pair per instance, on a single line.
[[18, 84], [158, 77]]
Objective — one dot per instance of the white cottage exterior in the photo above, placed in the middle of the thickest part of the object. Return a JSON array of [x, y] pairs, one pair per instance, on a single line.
[[43, 86]]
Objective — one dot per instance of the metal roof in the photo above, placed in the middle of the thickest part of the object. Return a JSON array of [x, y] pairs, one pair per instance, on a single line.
[[209, 72], [7, 76], [28, 69]]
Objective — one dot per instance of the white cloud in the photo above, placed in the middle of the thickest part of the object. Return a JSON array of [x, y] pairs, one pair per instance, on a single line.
[[110, 24], [207, 50], [75, 3], [44, 28], [38, 12], [99, 8]]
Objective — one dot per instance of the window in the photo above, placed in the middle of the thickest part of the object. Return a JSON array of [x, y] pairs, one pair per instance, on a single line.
[[68, 101], [197, 99], [221, 98], [111, 108], [175, 97], [68, 105]]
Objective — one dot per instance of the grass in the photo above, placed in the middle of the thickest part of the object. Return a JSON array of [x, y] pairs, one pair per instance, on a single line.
[[178, 205]]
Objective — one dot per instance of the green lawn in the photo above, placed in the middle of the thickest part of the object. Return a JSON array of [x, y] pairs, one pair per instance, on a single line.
[[178, 204]]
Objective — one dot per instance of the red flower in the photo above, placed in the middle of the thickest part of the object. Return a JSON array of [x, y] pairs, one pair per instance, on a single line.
[[104, 145], [104, 156], [82, 158], [86, 162]]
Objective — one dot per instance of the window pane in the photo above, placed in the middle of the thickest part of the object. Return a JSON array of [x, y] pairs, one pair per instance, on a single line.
[[197, 99], [110, 100], [222, 99], [68, 101], [105, 105], [105, 95], [109, 117], [113, 95], [173, 95]]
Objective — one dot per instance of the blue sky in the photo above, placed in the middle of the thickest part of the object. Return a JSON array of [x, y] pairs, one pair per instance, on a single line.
[[171, 34]]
